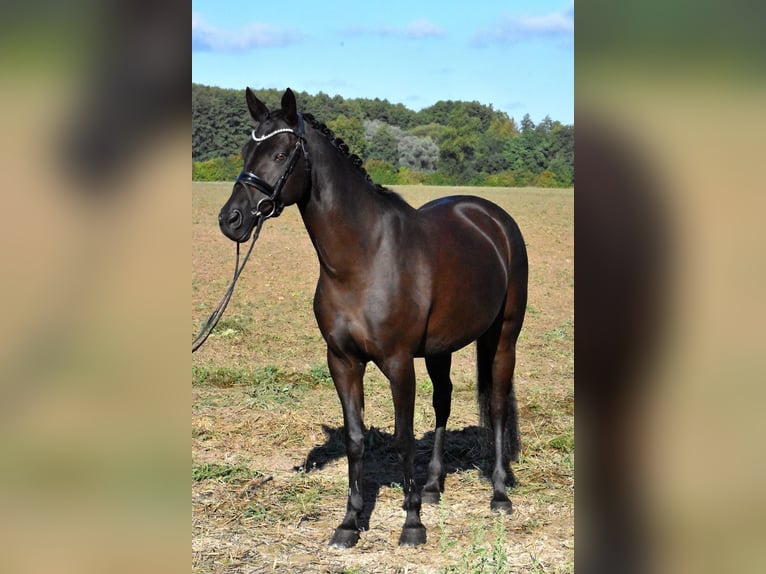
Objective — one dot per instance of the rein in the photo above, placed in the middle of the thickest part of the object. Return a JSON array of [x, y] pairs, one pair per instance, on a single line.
[[217, 313], [268, 207]]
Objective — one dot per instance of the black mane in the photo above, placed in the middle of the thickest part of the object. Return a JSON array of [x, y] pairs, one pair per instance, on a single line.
[[342, 147]]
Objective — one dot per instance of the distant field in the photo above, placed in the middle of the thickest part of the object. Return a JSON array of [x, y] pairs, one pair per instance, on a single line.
[[268, 466]]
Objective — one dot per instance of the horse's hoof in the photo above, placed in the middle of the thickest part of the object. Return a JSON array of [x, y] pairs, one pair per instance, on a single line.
[[501, 505], [430, 496], [413, 536], [344, 538]]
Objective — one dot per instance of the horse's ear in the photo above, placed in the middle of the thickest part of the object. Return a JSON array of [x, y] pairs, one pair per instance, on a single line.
[[289, 107], [258, 109]]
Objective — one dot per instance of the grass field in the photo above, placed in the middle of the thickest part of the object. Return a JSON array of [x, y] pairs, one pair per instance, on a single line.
[[268, 463]]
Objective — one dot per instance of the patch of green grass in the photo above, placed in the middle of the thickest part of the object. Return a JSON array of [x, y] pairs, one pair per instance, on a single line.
[[225, 472], [561, 333], [446, 540], [266, 376], [568, 462], [232, 326], [272, 385], [484, 556], [260, 512], [321, 375], [222, 377], [267, 385], [563, 442]]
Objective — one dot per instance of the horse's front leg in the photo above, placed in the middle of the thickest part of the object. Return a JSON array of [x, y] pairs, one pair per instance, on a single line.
[[401, 374], [347, 374]]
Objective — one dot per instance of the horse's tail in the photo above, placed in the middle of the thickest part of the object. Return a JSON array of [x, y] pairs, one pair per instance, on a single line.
[[512, 445]]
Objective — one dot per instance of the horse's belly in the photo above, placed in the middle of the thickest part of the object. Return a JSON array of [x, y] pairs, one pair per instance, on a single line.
[[459, 316]]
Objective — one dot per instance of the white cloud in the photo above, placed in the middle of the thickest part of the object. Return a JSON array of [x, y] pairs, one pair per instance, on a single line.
[[417, 29], [209, 38], [423, 29], [512, 29]]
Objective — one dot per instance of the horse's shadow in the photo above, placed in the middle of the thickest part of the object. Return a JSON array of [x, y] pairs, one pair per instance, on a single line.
[[464, 449]]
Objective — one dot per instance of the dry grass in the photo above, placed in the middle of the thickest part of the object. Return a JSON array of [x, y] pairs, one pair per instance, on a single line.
[[269, 471]]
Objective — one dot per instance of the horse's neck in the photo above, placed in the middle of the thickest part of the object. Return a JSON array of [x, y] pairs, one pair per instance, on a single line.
[[343, 215]]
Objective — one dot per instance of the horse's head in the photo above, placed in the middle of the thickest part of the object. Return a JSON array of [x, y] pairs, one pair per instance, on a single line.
[[269, 180]]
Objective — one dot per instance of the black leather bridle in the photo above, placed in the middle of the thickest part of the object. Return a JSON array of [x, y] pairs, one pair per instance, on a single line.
[[272, 205], [267, 207]]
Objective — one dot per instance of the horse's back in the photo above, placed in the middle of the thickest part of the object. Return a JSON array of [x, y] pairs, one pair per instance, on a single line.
[[456, 204]]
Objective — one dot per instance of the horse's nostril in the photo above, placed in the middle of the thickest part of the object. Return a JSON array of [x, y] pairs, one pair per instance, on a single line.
[[235, 219]]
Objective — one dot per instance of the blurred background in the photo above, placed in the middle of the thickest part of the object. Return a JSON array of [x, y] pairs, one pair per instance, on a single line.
[[669, 201], [669, 238], [94, 400]]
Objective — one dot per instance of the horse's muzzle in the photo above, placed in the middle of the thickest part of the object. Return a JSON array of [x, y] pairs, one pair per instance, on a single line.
[[233, 226]]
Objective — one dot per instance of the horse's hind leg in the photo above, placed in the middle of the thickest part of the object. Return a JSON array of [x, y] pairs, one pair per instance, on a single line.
[[438, 369], [496, 354]]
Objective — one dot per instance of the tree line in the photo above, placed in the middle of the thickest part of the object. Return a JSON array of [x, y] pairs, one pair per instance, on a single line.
[[449, 143]]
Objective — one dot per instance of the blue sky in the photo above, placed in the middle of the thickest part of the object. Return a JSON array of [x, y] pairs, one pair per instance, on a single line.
[[517, 56]]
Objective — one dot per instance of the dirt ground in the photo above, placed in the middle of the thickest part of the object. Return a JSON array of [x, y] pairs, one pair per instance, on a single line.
[[268, 463]]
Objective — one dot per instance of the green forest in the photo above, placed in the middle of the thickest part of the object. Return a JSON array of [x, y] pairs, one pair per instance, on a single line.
[[449, 143]]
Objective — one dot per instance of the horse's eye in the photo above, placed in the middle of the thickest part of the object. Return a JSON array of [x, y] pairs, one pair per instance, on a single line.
[[280, 157]]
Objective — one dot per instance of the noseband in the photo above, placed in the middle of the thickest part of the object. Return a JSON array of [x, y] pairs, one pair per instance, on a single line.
[[272, 205]]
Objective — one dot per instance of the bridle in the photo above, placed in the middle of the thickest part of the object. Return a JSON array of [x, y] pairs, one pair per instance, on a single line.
[[272, 205], [267, 207]]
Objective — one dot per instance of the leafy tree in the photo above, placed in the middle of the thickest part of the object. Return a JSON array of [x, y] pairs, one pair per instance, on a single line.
[[457, 145], [527, 125], [502, 128], [351, 131], [546, 179], [385, 111], [418, 153], [545, 126], [500, 179], [491, 146], [446, 113], [563, 173], [525, 153], [562, 163], [217, 169], [434, 131], [383, 146], [407, 176], [381, 172]]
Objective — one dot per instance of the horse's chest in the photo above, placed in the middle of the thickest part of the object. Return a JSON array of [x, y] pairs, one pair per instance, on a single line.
[[369, 318]]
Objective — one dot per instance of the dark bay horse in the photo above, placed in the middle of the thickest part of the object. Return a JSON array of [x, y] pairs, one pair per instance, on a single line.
[[395, 283]]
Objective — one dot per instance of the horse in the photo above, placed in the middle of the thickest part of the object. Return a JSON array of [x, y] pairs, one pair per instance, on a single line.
[[395, 283]]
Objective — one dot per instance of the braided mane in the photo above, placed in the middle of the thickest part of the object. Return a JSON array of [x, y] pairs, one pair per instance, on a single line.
[[342, 147]]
